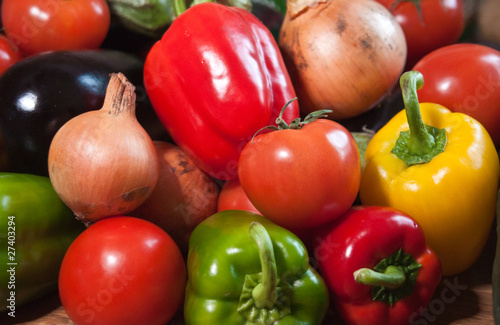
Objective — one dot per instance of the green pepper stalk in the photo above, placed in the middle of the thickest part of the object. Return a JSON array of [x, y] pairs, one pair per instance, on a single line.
[[422, 142], [264, 299], [391, 279], [264, 294]]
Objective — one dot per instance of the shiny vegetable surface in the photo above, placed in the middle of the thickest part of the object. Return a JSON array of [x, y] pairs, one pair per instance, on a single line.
[[427, 24], [243, 269], [439, 167], [9, 54], [342, 55], [378, 265], [215, 78], [153, 17], [37, 26], [465, 78], [232, 196], [122, 270], [301, 175], [41, 93], [36, 230]]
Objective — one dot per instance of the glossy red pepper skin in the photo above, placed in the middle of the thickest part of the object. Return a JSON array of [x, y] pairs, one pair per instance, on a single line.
[[362, 238], [215, 78]]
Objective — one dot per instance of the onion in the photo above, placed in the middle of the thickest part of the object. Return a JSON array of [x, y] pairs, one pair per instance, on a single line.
[[183, 197], [102, 162], [342, 55]]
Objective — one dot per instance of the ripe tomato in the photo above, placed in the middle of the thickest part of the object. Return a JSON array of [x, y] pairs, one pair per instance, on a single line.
[[301, 178], [464, 78], [44, 25], [122, 270], [9, 54], [233, 197], [439, 23]]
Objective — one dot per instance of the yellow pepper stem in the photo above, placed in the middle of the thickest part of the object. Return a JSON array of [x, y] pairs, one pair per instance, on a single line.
[[422, 142]]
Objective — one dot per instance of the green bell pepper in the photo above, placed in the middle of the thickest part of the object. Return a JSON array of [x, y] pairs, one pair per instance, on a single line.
[[244, 269], [36, 228]]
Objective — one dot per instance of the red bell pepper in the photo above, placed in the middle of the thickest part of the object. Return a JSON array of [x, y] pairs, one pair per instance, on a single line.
[[378, 266], [215, 78]]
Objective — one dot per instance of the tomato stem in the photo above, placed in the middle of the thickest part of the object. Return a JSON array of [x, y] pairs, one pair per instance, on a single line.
[[296, 123]]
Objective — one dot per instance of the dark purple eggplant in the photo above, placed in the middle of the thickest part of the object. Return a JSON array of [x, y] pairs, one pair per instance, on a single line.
[[41, 93]]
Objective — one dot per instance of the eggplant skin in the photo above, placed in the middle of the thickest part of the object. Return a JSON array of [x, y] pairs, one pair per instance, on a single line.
[[41, 93]]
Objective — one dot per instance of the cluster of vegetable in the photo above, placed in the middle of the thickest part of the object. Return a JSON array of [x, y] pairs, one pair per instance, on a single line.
[[217, 174]]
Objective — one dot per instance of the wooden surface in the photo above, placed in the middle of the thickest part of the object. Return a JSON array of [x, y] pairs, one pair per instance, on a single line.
[[462, 299]]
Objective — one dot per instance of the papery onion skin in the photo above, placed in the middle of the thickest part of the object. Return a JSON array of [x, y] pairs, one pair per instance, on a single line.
[[343, 55], [103, 163]]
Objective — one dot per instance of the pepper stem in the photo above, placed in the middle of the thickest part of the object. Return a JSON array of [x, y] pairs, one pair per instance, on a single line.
[[393, 277], [179, 7], [264, 294], [421, 142]]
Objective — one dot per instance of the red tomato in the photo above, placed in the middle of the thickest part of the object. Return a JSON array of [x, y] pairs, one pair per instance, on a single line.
[[122, 270], [441, 23], [9, 54], [464, 78], [233, 197], [301, 178], [44, 25]]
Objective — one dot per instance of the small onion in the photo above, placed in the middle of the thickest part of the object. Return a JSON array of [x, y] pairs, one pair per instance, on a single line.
[[102, 162], [342, 55]]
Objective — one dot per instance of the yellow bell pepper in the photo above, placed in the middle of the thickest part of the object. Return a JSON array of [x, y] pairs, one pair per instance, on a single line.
[[439, 167]]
